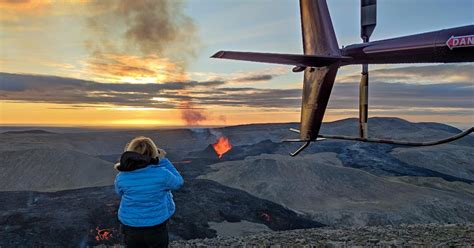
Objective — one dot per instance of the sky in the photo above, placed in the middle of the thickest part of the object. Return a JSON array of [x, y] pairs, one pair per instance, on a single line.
[[146, 63]]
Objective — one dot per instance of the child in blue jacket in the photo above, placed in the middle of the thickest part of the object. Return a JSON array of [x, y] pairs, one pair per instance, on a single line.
[[144, 183]]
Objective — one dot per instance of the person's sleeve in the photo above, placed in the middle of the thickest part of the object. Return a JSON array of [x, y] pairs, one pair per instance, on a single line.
[[175, 180], [117, 188]]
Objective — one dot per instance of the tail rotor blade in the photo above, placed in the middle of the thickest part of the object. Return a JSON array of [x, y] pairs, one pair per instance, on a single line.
[[368, 18]]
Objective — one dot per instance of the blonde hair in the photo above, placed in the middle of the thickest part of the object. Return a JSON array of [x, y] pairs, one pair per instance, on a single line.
[[145, 146]]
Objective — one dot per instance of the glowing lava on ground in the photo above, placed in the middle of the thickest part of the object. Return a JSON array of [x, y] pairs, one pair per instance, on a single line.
[[222, 146], [103, 234]]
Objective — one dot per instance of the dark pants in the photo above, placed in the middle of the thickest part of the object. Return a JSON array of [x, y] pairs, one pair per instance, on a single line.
[[155, 236]]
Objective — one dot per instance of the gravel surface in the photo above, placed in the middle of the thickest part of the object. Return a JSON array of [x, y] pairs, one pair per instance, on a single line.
[[429, 235]]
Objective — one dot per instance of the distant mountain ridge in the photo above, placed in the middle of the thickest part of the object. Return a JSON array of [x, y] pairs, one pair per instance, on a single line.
[[33, 131]]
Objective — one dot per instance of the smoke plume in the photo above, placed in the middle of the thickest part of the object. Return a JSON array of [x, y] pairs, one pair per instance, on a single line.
[[192, 116], [144, 27]]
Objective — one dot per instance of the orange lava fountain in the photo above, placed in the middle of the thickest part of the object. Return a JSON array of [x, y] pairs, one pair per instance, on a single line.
[[222, 146]]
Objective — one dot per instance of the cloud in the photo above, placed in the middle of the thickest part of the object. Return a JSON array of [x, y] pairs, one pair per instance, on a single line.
[[12, 9], [433, 98], [138, 69], [37, 88], [404, 95], [265, 75], [32, 15], [445, 73], [254, 78], [253, 97], [243, 78], [128, 41]]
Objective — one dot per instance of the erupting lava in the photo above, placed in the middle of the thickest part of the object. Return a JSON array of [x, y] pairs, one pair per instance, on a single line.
[[222, 146]]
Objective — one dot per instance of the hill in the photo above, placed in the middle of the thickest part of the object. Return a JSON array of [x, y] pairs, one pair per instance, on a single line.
[[48, 169], [321, 186]]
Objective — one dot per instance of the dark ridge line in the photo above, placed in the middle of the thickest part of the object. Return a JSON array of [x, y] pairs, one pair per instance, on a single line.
[[32, 131]]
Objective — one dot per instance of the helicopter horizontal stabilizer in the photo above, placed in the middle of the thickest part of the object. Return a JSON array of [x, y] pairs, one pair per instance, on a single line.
[[279, 58]]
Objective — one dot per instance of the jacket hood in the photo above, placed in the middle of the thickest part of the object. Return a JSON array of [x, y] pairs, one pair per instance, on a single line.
[[130, 161]]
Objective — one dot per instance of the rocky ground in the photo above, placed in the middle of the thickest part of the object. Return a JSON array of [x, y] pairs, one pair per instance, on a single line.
[[430, 235], [320, 186], [55, 185]]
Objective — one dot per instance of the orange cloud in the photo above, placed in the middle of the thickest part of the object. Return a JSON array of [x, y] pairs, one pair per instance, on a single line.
[[135, 69], [12, 11], [20, 15], [28, 6]]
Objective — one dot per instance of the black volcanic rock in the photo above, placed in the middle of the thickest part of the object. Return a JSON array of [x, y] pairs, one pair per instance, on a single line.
[[208, 152], [72, 218], [201, 201], [60, 219]]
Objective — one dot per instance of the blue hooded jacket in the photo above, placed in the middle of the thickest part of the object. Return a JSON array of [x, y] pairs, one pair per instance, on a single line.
[[145, 190]]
